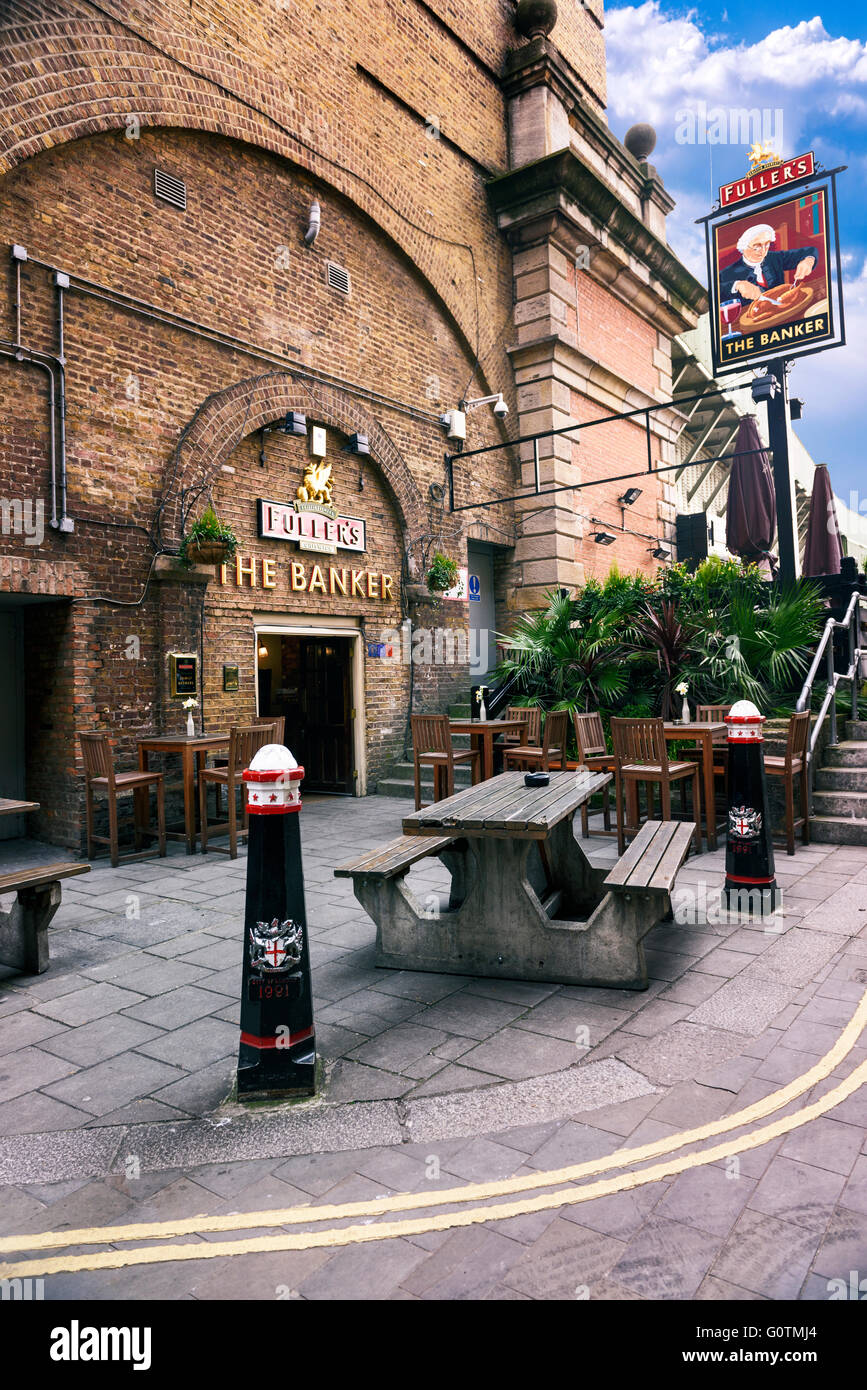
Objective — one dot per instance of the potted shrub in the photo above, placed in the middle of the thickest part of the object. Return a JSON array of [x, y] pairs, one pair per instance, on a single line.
[[209, 541], [442, 573]]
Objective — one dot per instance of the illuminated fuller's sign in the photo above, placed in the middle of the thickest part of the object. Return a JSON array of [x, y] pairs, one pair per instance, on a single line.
[[766, 176], [312, 526]]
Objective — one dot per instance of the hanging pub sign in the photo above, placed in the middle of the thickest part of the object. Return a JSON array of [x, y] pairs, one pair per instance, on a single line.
[[774, 263], [183, 674]]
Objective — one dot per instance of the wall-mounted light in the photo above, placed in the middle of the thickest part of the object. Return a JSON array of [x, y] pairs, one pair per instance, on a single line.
[[796, 408], [764, 388], [659, 552], [293, 423], [358, 444], [631, 495], [263, 650], [604, 538]]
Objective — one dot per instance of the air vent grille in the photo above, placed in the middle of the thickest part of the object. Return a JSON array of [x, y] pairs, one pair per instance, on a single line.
[[338, 278], [169, 188]]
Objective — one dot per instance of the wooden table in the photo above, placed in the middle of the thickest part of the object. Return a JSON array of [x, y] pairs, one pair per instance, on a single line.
[[706, 733], [482, 733], [525, 901], [192, 752], [15, 808]]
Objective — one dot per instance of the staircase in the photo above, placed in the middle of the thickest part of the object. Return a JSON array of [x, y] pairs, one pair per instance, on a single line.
[[840, 790], [400, 780]]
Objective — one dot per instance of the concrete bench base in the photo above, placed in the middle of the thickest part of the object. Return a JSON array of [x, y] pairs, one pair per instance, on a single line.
[[24, 926]]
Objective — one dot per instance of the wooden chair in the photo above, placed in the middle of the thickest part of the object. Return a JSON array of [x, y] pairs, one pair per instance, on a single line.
[[551, 749], [244, 741], [793, 764], [279, 722], [532, 716], [432, 747], [100, 776], [640, 755], [593, 753]]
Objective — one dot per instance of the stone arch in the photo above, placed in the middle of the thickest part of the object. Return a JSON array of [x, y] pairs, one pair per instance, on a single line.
[[75, 76], [228, 416]]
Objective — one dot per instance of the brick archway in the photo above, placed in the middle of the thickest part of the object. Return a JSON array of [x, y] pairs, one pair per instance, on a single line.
[[73, 76], [228, 416]]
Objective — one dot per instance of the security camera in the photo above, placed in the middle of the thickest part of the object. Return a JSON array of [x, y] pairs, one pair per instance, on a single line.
[[501, 410]]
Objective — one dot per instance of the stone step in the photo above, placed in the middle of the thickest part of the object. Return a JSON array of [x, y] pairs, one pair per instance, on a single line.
[[838, 830], [856, 730], [841, 779], [846, 804], [849, 753], [460, 711], [463, 773]]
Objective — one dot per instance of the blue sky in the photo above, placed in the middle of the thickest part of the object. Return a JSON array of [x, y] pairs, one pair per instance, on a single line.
[[807, 64]]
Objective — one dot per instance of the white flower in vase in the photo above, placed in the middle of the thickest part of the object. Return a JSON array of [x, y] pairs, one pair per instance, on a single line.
[[189, 706], [681, 689]]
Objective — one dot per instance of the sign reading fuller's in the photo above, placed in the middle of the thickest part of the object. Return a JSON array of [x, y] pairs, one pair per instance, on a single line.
[[312, 526]]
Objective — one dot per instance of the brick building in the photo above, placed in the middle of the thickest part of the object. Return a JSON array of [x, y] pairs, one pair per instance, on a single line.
[[168, 315]]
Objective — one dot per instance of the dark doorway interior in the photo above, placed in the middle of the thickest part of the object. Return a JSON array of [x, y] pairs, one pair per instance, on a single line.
[[308, 679]]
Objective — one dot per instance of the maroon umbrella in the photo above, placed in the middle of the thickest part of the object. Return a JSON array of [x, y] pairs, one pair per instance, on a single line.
[[751, 513], [823, 552]]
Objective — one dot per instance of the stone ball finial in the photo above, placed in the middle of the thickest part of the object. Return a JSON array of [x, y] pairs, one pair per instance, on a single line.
[[535, 18], [640, 140]]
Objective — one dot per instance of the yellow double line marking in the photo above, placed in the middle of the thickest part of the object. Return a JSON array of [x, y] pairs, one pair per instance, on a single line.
[[476, 1192]]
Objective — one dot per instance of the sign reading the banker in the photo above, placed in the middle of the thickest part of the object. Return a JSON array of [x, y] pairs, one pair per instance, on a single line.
[[312, 521], [774, 268]]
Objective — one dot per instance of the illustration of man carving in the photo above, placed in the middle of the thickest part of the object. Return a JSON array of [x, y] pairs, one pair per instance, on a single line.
[[759, 268]]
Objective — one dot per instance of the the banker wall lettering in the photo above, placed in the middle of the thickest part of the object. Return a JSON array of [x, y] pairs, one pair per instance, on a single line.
[[331, 581]]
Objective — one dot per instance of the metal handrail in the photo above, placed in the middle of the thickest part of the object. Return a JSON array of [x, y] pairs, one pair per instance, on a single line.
[[851, 622]]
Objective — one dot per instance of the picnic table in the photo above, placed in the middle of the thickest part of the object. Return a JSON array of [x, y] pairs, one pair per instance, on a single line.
[[705, 733], [482, 733], [192, 752], [24, 929], [525, 901]]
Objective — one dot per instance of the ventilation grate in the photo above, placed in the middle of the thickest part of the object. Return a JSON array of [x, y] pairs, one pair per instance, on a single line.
[[169, 188], [338, 278]]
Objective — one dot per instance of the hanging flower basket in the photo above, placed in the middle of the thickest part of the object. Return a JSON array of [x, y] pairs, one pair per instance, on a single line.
[[209, 541]]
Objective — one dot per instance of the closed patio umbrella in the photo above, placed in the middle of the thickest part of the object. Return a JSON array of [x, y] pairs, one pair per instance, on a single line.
[[823, 551], [751, 513]]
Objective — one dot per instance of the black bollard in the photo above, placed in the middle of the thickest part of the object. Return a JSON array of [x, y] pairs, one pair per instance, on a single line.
[[750, 884], [277, 1054]]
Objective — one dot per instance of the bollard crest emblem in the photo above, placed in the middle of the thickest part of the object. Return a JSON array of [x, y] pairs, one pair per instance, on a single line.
[[276, 947], [744, 822]]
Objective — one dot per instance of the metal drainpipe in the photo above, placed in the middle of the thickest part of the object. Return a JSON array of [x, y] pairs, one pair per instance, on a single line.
[[61, 282], [19, 354]]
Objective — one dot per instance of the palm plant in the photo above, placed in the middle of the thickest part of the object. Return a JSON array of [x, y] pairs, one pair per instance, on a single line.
[[565, 662]]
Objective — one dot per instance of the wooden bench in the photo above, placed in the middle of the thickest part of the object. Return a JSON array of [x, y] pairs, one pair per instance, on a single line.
[[24, 930], [652, 860], [397, 857]]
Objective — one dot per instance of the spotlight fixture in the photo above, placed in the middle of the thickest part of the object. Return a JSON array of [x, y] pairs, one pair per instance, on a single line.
[[294, 423], [263, 650], [659, 552], [796, 408], [603, 538], [358, 444], [631, 495], [764, 388]]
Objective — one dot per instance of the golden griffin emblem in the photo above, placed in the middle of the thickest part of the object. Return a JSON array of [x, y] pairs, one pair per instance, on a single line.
[[316, 486]]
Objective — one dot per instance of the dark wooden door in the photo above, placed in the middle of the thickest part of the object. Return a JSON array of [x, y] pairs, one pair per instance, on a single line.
[[326, 714]]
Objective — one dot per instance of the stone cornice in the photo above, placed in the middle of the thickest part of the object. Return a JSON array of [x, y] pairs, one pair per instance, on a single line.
[[561, 189]]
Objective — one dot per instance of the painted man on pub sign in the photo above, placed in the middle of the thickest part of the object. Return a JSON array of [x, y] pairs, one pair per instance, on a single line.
[[760, 268]]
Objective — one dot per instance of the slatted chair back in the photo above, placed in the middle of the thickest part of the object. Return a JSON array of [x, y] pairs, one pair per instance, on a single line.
[[556, 725], [532, 716], [639, 741], [431, 733], [279, 722], [796, 742], [712, 714], [96, 749], [589, 735], [245, 740]]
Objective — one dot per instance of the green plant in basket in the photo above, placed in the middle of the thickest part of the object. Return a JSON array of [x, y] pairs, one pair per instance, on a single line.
[[209, 541], [442, 573]]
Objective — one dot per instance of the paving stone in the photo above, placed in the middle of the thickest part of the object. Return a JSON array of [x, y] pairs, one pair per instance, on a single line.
[[364, 1272], [94, 1204], [680, 1053], [562, 1017], [420, 986], [202, 1090], [318, 1173], [158, 977], [784, 1064], [516, 1054], [483, 1160], [621, 1214], [622, 1117], [854, 1196], [570, 1145], [29, 1069], [666, 1259], [691, 988], [400, 1171], [398, 1047], [469, 1015], [656, 1016], [512, 991], [261, 1278], [391, 1008], [793, 959], [743, 1005], [333, 1041], [196, 1045], [723, 961], [688, 1104], [717, 1290], [423, 1068], [454, 1078], [22, 1028], [466, 1266], [138, 1112], [564, 1262], [105, 1037], [112, 1083], [177, 1007], [528, 1138], [826, 1143], [797, 1192], [844, 1247], [34, 1113], [85, 1005], [354, 1081], [706, 1197], [766, 1255]]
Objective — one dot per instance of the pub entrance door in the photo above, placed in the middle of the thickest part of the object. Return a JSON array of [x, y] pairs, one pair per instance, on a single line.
[[309, 681]]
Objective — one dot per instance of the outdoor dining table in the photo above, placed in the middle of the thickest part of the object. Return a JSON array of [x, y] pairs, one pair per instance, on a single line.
[[192, 752], [16, 808], [705, 733], [482, 733]]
